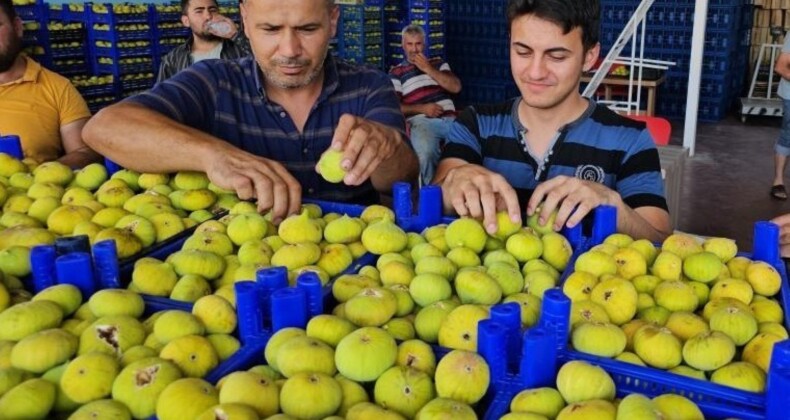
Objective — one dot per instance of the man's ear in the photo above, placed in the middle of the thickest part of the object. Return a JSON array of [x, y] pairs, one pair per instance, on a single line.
[[19, 27], [334, 16], [185, 21], [591, 57]]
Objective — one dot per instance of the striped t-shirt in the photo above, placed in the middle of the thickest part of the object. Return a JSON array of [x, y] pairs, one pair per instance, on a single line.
[[600, 146], [415, 87], [226, 98]]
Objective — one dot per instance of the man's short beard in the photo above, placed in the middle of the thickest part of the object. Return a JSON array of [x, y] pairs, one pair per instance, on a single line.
[[282, 84], [8, 59], [207, 37]]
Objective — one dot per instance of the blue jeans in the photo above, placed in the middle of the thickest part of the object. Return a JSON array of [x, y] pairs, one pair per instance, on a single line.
[[783, 145], [426, 136]]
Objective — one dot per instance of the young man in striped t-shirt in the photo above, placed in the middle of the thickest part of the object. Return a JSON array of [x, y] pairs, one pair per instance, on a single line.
[[552, 145], [424, 86]]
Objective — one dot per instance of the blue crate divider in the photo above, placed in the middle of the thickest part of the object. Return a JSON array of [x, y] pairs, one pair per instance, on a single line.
[[11, 145]]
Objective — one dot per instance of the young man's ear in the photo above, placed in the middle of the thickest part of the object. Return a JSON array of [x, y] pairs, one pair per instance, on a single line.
[[185, 21], [591, 56]]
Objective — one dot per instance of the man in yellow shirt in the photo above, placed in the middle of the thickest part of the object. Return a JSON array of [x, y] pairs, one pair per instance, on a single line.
[[43, 108]]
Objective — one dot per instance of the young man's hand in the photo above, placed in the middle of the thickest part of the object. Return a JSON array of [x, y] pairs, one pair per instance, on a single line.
[[474, 191], [574, 198]]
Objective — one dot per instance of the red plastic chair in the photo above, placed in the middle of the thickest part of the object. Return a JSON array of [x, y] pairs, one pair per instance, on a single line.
[[659, 128]]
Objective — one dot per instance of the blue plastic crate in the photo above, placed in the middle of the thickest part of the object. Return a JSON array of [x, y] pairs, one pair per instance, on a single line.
[[550, 337]]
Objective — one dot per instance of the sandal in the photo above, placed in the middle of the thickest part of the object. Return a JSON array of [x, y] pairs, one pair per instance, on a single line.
[[778, 192]]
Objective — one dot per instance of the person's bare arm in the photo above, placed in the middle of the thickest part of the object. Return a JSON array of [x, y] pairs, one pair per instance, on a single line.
[[373, 150], [575, 198], [447, 80], [76, 153], [146, 141], [782, 66]]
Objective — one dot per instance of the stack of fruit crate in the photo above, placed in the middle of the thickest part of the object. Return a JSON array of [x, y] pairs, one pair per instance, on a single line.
[[393, 25], [65, 29], [478, 52], [669, 32], [119, 36], [170, 32], [34, 15], [360, 35], [430, 15]]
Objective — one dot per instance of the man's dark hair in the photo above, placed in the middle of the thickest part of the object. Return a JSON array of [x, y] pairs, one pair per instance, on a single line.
[[8, 8], [568, 14], [185, 6]]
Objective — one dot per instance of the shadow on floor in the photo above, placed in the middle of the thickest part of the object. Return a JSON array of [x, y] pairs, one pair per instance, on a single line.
[[726, 183]]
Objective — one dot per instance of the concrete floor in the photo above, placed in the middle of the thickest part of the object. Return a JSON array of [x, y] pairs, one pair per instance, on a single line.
[[725, 185]]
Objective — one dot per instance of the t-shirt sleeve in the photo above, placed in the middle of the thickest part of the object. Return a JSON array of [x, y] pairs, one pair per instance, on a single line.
[[72, 106], [786, 46], [188, 97], [463, 140], [639, 181], [382, 104], [396, 84]]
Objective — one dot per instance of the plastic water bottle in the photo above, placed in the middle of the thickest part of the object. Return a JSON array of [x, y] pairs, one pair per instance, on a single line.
[[220, 28]]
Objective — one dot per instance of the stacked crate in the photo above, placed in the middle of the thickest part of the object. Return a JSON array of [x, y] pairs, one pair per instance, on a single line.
[[430, 15], [478, 52], [670, 25], [65, 30], [119, 36], [360, 34], [393, 26], [170, 31], [35, 39]]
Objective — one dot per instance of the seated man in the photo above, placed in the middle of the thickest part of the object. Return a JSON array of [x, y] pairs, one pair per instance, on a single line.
[[203, 18], [43, 108], [258, 125], [552, 146], [424, 86]]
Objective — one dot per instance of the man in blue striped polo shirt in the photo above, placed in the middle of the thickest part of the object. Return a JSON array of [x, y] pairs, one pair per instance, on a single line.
[[259, 125], [551, 146]]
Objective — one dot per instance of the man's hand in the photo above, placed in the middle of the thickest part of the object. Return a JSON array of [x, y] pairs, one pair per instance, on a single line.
[[784, 234], [225, 35], [474, 191], [365, 144], [256, 177], [432, 110], [574, 198], [422, 62]]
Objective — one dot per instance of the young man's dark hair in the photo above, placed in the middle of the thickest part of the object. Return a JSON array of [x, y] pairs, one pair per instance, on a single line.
[[185, 6], [8, 9], [568, 14]]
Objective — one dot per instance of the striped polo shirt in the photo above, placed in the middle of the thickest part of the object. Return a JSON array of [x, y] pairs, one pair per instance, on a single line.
[[600, 146], [226, 99], [415, 87]]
